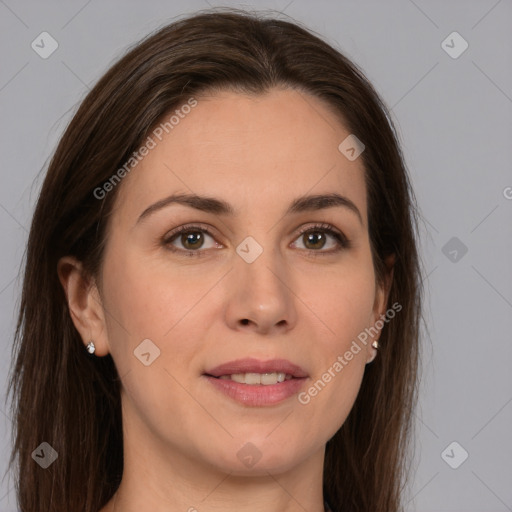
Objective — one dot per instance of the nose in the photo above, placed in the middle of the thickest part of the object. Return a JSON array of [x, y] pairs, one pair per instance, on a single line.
[[262, 298]]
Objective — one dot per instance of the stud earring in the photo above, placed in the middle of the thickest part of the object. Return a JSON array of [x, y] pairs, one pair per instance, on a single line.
[[90, 347], [375, 345]]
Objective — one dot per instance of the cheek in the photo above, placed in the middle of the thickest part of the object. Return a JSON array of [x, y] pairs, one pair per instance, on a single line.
[[149, 297], [347, 309], [144, 301], [350, 315], [342, 300], [169, 304], [344, 304]]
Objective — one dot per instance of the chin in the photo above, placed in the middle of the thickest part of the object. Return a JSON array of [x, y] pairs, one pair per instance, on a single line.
[[259, 456]]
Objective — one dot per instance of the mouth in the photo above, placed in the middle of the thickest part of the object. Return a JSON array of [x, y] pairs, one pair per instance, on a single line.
[[257, 383], [253, 379]]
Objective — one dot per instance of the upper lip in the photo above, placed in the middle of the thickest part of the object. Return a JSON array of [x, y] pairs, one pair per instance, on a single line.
[[251, 365]]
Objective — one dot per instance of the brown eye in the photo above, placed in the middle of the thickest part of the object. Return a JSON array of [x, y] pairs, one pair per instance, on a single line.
[[314, 240], [323, 238], [190, 240]]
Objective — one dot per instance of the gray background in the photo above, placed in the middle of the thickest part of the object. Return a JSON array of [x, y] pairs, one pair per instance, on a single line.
[[455, 123]]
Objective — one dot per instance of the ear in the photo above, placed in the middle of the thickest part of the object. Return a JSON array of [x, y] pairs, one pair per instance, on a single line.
[[85, 305], [379, 307]]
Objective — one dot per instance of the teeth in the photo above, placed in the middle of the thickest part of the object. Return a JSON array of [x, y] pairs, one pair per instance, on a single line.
[[257, 378], [272, 378], [250, 378]]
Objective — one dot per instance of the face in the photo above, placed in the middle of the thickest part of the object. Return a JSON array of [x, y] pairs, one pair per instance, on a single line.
[[252, 285]]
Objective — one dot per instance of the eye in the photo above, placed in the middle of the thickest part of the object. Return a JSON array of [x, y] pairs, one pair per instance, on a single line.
[[315, 238], [191, 238]]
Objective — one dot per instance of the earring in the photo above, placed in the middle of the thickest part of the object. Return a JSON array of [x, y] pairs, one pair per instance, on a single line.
[[375, 345], [90, 347]]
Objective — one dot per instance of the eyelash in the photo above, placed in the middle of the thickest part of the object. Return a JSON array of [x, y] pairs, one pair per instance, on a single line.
[[343, 242]]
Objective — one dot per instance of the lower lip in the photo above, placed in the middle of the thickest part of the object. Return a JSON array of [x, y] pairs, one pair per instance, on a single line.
[[257, 395]]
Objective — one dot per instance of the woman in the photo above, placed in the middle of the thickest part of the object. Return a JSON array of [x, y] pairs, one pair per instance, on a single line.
[[222, 291]]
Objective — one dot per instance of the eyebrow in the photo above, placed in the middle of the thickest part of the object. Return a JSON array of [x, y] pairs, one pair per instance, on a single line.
[[216, 206]]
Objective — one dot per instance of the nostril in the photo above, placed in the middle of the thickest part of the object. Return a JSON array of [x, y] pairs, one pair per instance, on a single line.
[[245, 321]]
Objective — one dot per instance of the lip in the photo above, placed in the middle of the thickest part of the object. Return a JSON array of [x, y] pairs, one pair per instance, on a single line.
[[257, 395], [251, 365]]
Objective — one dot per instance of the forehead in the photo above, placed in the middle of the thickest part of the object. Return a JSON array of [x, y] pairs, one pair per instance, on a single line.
[[249, 150]]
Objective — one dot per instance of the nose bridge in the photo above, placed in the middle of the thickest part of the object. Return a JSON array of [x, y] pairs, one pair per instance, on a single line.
[[261, 291], [260, 265]]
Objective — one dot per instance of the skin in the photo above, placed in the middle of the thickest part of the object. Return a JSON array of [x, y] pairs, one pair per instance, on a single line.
[[302, 302]]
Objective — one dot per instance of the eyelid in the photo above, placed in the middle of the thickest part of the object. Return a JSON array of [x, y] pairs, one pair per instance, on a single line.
[[195, 226], [323, 226]]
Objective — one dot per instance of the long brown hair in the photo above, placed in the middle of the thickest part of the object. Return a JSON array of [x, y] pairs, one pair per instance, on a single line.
[[72, 401]]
